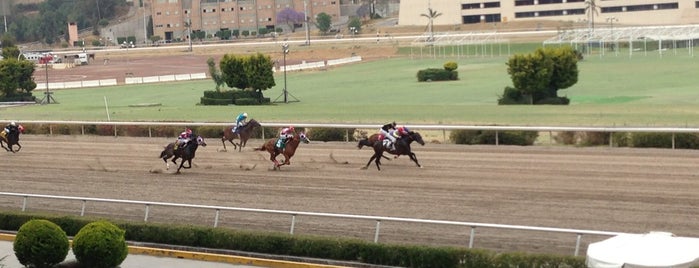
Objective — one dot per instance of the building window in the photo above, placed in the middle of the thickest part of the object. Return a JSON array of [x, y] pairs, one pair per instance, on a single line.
[[546, 2], [612, 9], [491, 4], [492, 18], [223, 9], [529, 14], [472, 19], [158, 13], [333, 3], [471, 6], [524, 2]]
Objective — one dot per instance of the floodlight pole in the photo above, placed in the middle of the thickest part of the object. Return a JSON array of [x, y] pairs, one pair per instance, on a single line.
[[285, 92], [285, 50]]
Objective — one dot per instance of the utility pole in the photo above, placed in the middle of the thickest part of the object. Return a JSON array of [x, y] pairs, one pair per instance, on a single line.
[[308, 31]]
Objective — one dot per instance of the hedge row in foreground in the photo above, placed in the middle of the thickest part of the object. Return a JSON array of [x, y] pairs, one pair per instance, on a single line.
[[306, 246]]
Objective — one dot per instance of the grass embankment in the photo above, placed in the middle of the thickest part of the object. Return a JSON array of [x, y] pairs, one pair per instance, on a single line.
[[613, 90]]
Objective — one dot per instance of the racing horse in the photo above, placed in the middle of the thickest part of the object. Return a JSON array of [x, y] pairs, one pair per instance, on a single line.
[[11, 139], [288, 151], [245, 132], [186, 153], [402, 148]]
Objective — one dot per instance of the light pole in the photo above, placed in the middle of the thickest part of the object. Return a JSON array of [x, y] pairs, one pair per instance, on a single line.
[[611, 21], [285, 50]]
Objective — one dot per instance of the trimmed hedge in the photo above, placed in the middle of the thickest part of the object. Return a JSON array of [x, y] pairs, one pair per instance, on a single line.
[[331, 134], [309, 246], [41, 244], [237, 97], [100, 244], [488, 137], [435, 74]]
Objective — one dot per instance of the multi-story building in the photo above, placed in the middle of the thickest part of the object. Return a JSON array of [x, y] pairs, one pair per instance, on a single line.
[[171, 17], [627, 12]]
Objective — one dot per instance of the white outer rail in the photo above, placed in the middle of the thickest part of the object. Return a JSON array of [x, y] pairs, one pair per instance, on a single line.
[[443, 128], [293, 215]]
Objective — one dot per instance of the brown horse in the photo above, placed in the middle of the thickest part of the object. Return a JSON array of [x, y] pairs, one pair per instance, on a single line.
[[245, 132], [288, 151]]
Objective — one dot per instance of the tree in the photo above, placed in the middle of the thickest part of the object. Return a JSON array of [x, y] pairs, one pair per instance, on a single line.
[[431, 15], [232, 71], [247, 72], [258, 69], [355, 24], [16, 74], [215, 73], [291, 18], [323, 22], [591, 8], [540, 75]]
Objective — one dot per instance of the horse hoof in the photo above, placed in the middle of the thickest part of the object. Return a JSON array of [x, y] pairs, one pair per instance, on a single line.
[[364, 168]]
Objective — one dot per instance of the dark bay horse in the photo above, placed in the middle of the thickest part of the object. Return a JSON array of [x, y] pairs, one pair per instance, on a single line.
[[402, 148], [288, 151], [186, 153], [245, 132], [12, 139]]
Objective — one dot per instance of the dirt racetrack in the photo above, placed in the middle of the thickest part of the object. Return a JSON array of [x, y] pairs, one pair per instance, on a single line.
[[608, 189]]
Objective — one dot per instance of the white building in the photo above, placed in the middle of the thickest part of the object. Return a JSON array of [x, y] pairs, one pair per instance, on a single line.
[[627, 12]]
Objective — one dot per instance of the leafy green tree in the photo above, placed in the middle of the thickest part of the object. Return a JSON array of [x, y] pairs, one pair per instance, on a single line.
[[16, 74], [323, 22], [247, 72], [10, 52], [232, 71], [539, 76], [258, 69], [356, 24]]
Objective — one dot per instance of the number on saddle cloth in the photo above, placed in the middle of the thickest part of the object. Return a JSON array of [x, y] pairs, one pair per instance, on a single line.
[[280, 143]]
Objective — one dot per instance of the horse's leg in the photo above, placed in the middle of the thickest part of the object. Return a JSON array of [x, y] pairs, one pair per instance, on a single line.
[[180, 167], [189, 163], [369, 163], [378, 160], [414, 158], [273, 158], [167, 164], [223, 141], [19, 147]]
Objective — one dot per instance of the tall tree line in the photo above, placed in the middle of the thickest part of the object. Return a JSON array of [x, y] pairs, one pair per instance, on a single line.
[[48, 21]]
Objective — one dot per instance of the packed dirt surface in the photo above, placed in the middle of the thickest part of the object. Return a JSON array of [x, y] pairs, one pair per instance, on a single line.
[[604, 189]]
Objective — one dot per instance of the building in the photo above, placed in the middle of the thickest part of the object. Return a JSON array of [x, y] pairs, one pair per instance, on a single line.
[[171, 17], [627, 12]]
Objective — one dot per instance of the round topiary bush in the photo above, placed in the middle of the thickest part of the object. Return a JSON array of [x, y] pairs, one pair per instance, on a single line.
[[100, 244], [41, 243]]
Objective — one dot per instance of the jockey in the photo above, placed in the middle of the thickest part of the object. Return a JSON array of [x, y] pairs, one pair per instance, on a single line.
[[284, 136], [11, 127], [184, 138], [386, 132], [397, 134], [241, 120]]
